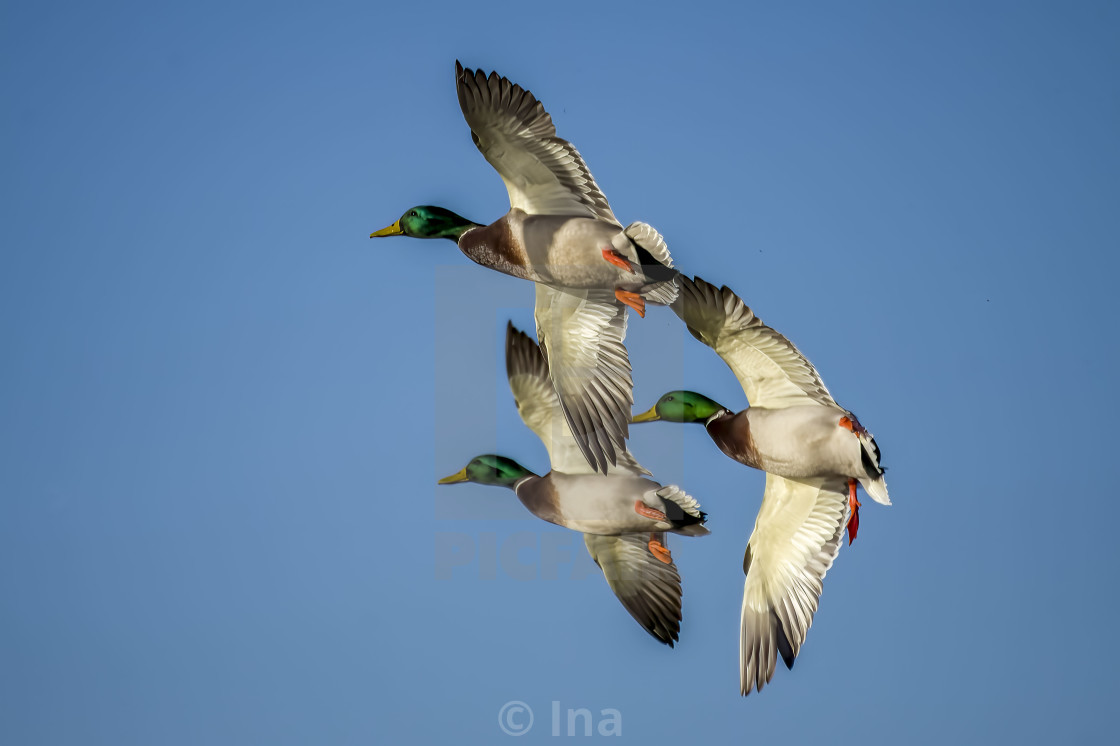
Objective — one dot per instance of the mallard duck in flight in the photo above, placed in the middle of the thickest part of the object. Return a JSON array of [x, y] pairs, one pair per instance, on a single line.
[[638, 566], [561, 234], [814, 454]]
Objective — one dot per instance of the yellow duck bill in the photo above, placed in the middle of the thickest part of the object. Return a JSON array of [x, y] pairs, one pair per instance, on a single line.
[[392, 230], [459, 476]]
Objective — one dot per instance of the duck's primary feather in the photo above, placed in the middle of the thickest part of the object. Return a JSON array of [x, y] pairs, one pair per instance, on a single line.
[[540, 409], [647, 587], [543, 173], [770, 368], [796, 537], [581, 333]]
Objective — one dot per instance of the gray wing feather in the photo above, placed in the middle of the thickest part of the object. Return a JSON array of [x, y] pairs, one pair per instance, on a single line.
[[647, 588], [544, 174], [770, 368], [796, 537], [581, 335], [540, 408]]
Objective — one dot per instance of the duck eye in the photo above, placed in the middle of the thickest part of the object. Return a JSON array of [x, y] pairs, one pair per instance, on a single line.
[[669, 398], [414, 214]]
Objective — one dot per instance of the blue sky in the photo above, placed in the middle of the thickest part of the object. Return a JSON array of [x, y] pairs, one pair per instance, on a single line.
[[224, 408]]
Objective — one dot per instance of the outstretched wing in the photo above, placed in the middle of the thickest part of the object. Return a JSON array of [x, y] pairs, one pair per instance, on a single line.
[[581, 333], [540, 409], [796, 537], [543, 174], [647, 588], [771, 370]]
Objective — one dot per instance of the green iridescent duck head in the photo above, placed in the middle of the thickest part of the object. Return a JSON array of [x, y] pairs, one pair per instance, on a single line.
[[681, 406], [490, 469], [427, 221]]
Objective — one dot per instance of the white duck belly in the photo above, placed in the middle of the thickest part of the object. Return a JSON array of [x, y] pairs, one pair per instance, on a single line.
[[595, 504], [566, 251], [805, 441]]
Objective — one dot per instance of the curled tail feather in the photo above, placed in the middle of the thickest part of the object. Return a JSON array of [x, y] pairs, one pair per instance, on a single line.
[[875, 483], [656, 263], [682, 510]]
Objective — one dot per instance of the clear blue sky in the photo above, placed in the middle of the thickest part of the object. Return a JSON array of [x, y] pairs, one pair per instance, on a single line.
[[223, 409]]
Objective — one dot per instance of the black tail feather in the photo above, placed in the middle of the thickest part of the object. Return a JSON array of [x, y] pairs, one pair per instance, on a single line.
[[676, 515]]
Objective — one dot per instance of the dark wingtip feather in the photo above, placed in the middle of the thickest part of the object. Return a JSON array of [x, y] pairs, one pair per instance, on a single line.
[[784, 648], [655, 603], [523, 355]]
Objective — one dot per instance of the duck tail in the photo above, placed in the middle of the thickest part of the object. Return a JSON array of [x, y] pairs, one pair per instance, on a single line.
[[682, 511], [875, 483], [656, 263], [877, 488]]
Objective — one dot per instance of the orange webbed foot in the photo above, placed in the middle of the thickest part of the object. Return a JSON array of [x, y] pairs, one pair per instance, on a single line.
[[853, 506], [659, 550], [617, 259], [634, 300], [644, 510], [850, 423]]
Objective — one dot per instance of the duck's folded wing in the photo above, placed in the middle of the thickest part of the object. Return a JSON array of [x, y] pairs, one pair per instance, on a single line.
[[543, 174], [771, 370], [581, 335], [540, 409], [796, 537], [647, 587]]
